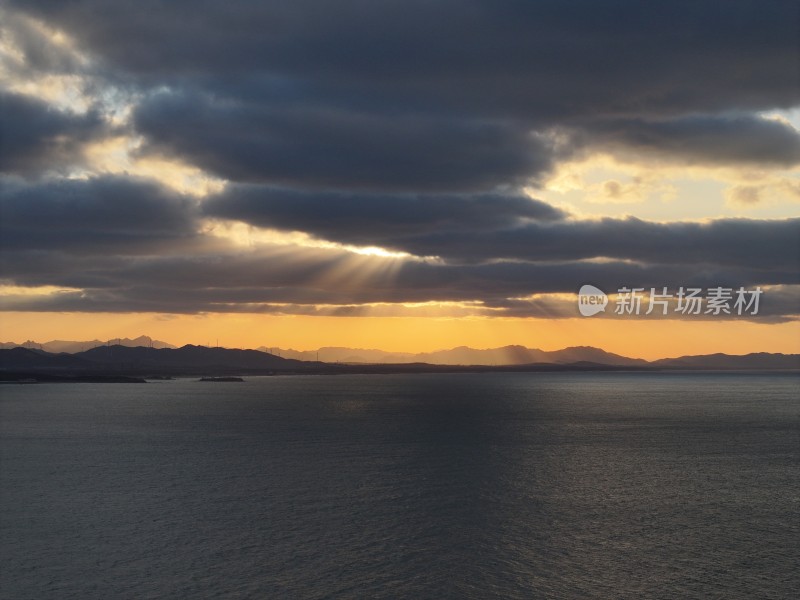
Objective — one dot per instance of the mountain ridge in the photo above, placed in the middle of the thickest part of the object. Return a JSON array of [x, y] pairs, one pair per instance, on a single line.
[[73, 347], [460, 355], [509, 355], [191, 359]]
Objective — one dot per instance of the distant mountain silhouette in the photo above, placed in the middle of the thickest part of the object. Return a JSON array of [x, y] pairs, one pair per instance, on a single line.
[[25, 358], [342, 355], [73, 347], [187, 356], [189, 360], [463, 355], [594, 355], [757, 360], [118, 359]]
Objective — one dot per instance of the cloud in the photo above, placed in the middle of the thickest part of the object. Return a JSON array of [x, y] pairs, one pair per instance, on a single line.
[[32, 49], [129, 244], [241, 281], [777, 305], [442, 96], [731, 242], [745, 140], [490, 228], [100, 215], [340, 148], [410, 126], [35, 138], [371, 219], [525, 58], [773, 190]]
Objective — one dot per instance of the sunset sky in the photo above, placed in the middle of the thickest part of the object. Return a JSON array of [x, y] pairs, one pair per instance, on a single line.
[[410, 175]]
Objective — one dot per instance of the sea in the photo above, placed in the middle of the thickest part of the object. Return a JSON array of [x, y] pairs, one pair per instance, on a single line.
[[483, 485]]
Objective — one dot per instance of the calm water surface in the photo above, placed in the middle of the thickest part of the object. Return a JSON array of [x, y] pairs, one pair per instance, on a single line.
[[534, 485]]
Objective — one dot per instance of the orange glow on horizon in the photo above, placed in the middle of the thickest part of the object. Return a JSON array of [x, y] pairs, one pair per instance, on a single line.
[[640, 339]]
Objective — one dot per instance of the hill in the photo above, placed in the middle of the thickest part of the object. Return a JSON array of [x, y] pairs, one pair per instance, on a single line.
[[72, 347], [25, 358], [123, 359], [755, 361], [462, 355], [187, 357], [191, 360]]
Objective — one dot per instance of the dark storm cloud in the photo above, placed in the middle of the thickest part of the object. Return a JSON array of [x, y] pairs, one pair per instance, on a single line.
[[491, 227], [732, 242], [543, 57], [368, 219], [35, 137], [407, 125], [240, 281], [105, 237], [777, 305], [111, 214], [419, 95], [500, 281], [338, 148], [707, 140]]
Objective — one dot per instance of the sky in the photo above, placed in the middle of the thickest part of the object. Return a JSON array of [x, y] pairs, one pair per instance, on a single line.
[[409, 176]]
